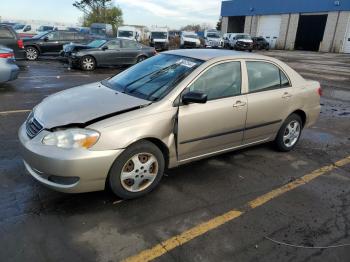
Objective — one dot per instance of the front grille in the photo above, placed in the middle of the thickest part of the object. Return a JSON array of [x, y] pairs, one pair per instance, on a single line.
[[33, 127], [192, 44]]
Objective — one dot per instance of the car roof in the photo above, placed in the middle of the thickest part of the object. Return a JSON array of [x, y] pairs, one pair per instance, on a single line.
[[208, 54]]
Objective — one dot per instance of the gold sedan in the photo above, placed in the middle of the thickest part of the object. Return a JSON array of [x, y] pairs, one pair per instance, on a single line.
[[175, 108]]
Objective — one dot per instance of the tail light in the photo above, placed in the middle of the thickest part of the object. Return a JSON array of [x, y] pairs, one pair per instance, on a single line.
[[20, 43], [319, 91], [6, 55]]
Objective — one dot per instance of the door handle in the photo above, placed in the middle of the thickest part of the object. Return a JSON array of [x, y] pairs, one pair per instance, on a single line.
[[286, 95], [239, 104]]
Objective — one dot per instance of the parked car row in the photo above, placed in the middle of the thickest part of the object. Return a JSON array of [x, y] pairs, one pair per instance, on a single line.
[[106, 53], [172, 109]]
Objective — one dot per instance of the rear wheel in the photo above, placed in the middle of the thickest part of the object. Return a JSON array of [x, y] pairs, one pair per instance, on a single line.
[[137, 171], [141, 58], [289, 133], [32, 53], [88, 63]]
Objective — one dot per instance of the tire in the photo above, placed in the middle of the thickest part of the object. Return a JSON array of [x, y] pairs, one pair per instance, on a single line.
[[32, 53], [250, 50], [87, 63], [141, 58], [126, 181], [289, 133]]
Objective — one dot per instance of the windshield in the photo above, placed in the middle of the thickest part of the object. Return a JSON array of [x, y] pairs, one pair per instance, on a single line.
[[45, 28], [98, 31], [96, 43], [191, 36], [18, 27], [213, 35], [39, 35], [125, 33], [153, 78], [244, 37], [159, 35]]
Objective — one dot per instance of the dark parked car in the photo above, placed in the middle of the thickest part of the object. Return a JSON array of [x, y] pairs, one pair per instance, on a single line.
[[8, 69], [107, 53], [51, 42], [260, 43], [10, 39]]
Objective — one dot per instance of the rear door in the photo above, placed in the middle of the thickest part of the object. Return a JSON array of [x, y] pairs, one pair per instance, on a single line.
[[50, 42], [65, 37], [8, 38], [218, 124], [270, 99], [112, 55], [130, 51]]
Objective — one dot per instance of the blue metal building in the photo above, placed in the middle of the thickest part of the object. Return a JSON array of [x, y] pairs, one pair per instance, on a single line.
[[317, 25]]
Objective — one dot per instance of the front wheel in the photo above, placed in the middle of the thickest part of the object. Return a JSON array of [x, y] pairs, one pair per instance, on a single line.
[[289, 133], [88, 63], [137, 171]]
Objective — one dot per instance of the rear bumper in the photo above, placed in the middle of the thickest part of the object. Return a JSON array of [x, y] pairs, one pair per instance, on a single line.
[[20, 54], [68, 171], [9, 72], [312, 115]]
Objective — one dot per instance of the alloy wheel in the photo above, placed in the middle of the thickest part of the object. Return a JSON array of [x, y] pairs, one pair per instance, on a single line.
[[32, 53], [291, 133], [88, 63], [139, 172]]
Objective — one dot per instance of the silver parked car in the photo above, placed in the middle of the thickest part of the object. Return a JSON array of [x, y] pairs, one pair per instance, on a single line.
[[8, 69], [172, 109]]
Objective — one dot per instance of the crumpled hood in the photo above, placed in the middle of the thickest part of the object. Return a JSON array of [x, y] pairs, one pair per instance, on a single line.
[[159, 40], [75, 47], [188, 39], [83, 104]]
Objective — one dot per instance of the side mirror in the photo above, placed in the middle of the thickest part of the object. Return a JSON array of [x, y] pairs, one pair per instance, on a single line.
[[194, 97], [46, 39], [104, 48]]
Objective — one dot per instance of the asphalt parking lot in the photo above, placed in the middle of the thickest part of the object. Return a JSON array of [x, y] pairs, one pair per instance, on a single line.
[[217, 209]]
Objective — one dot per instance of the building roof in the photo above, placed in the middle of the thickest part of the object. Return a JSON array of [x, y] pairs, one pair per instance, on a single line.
[[270, 7]]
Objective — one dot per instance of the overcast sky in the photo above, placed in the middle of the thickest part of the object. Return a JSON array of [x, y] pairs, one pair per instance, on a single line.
[[172, 13]]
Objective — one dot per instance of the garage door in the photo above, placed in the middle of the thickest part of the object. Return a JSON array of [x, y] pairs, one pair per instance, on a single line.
[[347, 40], [269, 28]]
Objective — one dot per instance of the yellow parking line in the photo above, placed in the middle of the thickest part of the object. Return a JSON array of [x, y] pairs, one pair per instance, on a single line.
[[15, 112], [183, 238]]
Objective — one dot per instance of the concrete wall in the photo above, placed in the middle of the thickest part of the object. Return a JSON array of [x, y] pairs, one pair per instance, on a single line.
[[292, 32], [281, 41], [224, 24], [329, 32], [340, 32], [251, 25], [248, 24]]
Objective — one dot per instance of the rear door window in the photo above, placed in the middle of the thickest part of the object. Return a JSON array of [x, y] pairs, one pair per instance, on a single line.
[[129, 44], [66, 36], [113, 45], [263, 76], [5, 33]]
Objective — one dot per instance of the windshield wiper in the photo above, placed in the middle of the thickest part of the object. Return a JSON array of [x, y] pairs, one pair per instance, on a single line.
[[152, 76]]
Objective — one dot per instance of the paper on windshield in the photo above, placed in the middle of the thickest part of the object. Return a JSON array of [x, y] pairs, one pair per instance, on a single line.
[[186, 63]]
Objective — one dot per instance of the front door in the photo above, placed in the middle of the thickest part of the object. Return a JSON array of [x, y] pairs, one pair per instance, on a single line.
[[218, 124], [112, 55], [50, 43], [269, 101], [131, 49]]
